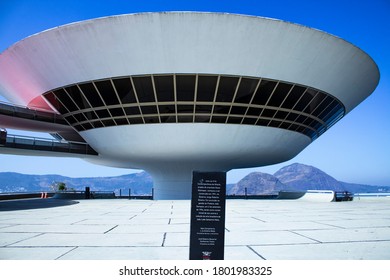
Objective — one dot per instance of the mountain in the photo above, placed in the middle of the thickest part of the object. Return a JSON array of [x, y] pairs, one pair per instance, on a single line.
[[294, 177], [303, 177], [140, 183], [258, 183]]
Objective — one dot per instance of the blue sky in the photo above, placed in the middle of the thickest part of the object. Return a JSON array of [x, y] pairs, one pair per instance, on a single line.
[[356, 149]]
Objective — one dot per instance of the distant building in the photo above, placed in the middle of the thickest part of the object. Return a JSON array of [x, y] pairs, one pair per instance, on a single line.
[[175, 92]]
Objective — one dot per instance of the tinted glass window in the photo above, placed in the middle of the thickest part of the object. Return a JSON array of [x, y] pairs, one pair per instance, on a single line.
[[218, 119], [64, 102], [185, 108], [151, 119], [53, 101], [136, 121], [164, 88], [320, 108], [264, 92], [125, 90], [75, 93], [236, 110], [91, 94], [103, 114], [221, 109], [206, 88], [245, 90], [254, 111], [315, 102], [144, 89], [184, 118], [303, 102], [167, 109], [279, 94], [149, 110], [79, 117], [203, 108], [226, 89], [116, 112], [293, 97], [130, 111], [234, 120], [202, 118], [121, 121], [107, 92], [90, 115]]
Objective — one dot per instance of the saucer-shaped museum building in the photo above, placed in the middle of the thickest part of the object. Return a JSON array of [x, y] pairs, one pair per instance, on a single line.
[[171, 93]]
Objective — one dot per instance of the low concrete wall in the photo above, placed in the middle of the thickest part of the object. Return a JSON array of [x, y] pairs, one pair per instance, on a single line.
[[23, 195], [318, 196]]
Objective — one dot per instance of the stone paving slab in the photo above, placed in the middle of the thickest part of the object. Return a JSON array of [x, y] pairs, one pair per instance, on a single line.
[[327, 251], [93, 239], [348, 235], [265, 238], [256, 225], [152, 228], [32, 253], [57, 228], [7, 239]]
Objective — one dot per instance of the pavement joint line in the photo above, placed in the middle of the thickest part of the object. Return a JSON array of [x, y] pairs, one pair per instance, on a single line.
[[356, 241], [8, 226], [254, 251], [79, 221], [258, 219], [164, 237], [169, 222], [304, 236], [132, 217], [110, 229], [11, 244], [66, 253], [326, 224]]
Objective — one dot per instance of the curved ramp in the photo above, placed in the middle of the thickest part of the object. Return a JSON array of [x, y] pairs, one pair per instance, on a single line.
[[318, 196]]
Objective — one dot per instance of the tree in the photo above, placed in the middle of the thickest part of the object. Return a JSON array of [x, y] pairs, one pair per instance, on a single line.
[[58, 186], [61, 186]]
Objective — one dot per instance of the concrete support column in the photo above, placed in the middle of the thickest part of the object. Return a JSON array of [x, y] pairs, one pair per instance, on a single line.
[[171, 183]]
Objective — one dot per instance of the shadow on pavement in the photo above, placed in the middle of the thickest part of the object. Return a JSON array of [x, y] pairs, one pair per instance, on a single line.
[[36, 203]]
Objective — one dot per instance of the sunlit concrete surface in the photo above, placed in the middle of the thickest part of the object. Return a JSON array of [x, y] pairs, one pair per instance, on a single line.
[[144, 229]]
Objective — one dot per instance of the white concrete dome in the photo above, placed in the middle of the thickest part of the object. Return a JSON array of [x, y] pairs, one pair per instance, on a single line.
[[176, 92]]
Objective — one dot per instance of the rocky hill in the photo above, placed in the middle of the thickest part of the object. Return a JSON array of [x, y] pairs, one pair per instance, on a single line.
[[303, 177], [258, 183]]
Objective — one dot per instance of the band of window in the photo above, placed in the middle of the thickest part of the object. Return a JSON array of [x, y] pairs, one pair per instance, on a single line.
[[178, 98]]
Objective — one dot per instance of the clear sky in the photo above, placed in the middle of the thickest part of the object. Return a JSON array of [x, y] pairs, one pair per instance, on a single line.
[[356, 149]]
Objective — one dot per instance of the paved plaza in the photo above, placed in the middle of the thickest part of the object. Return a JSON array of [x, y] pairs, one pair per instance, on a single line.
[[122, 229]]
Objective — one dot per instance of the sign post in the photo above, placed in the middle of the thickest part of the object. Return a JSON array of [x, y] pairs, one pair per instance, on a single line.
[[207, 236]]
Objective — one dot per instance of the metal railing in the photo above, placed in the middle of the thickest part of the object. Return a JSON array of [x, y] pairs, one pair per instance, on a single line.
[[51, 145], [31, 113]]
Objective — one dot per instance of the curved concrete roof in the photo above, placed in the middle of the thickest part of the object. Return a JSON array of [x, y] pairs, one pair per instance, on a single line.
[[186, 42]]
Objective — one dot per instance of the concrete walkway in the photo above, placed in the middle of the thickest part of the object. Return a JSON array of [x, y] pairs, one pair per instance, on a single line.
[[147, 230]]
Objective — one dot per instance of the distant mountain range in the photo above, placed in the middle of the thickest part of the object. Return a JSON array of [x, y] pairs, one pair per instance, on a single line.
[[297, 177], [294, 177], [140, 183]]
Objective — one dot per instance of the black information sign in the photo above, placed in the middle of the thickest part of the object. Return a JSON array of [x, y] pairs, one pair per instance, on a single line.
[[207, 238]]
